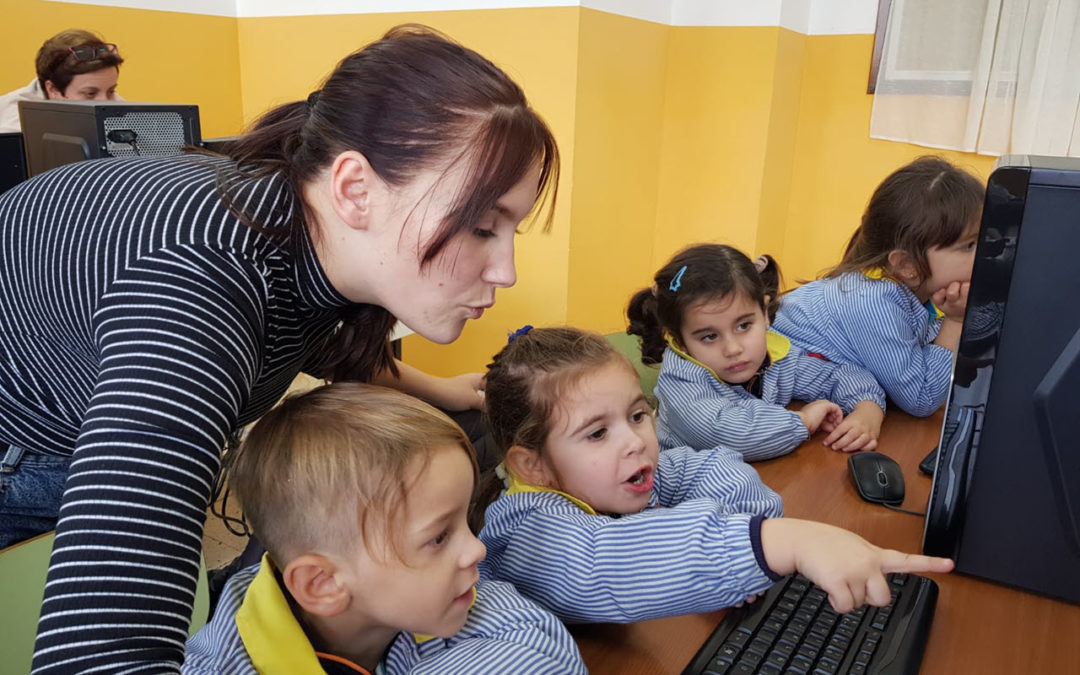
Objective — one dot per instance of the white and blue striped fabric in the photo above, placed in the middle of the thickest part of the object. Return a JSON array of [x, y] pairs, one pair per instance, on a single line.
[[140, 324], [696, 548], [877, 324], [504, 633], [701, 411]]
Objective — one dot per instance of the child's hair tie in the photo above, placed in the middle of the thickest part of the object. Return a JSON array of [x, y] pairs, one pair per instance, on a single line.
[[518, 333], [676, 281], [760, 263]]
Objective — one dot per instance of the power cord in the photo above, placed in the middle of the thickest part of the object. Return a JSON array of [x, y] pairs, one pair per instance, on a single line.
[[897, 508]]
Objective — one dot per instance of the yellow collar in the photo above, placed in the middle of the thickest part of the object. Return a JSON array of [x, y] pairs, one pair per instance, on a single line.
[[271, 634], [879, 273], [776, 344], [516, 486]]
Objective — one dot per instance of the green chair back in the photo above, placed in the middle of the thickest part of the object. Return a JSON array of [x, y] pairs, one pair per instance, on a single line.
[[630, 346], [23, 568]]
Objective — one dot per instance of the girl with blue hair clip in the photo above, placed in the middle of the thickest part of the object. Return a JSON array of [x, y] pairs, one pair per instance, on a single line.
[[725, 378]]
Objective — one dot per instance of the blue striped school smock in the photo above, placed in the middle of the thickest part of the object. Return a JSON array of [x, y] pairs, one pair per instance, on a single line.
[[877, 324], [696, 548], [700, 410], [504, 633], [140, 324]]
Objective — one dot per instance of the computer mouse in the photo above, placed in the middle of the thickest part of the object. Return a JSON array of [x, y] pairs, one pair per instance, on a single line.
[[877, 477]]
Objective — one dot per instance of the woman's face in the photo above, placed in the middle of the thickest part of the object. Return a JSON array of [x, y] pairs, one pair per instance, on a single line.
[[437, 298], [97, 85]]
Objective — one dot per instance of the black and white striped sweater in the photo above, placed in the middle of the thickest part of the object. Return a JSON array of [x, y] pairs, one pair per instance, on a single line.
[[140, 323]]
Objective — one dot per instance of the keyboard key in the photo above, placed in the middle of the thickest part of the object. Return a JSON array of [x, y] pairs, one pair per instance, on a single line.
[[738, 638], [759, 647]]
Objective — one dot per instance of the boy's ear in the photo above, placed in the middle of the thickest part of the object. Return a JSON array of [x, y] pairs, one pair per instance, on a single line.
[[312, 581], [903, 267], [528, 466]]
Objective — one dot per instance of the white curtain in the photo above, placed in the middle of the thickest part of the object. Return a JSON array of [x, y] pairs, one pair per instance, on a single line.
[[988, 76]]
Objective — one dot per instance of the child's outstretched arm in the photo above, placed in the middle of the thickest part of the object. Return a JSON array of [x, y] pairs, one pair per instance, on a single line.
[[697, 557], [849, 568]]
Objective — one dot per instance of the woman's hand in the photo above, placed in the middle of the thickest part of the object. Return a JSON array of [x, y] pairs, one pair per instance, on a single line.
[[461, 392]]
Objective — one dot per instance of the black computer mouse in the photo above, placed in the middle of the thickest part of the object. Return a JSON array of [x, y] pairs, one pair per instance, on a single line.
[[877, 477]]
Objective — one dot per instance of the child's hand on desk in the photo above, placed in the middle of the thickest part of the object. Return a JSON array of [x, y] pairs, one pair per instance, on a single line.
[[849, 568], [821, 414], [859, 430]]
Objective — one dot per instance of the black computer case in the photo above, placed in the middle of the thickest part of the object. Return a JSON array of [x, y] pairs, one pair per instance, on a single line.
[[61, 132], [1005, 502]]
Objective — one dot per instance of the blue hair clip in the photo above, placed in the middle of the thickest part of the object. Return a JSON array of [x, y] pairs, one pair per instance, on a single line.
[[676, 281], [518, 333]]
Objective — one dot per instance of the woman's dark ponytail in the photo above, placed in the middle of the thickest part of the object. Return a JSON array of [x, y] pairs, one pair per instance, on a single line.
[[644, 322]]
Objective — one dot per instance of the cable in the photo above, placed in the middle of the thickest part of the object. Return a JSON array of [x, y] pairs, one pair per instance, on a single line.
[[897, 508]]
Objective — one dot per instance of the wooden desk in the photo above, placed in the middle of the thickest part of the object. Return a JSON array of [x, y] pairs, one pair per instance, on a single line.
[[979, 627]]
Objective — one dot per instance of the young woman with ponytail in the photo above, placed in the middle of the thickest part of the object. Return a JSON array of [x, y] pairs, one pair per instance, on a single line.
[[150, 308]]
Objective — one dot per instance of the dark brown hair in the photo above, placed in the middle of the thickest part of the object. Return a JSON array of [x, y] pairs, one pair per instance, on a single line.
[[413, 100], [697, 273], [331, 464], [929, 203], [58, 65], [524, 383]]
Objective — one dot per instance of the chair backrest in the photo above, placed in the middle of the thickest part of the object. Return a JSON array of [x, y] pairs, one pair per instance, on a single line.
[[630, 346], [23, 568]]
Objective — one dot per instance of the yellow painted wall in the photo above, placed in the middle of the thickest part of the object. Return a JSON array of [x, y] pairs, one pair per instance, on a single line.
[[836, 163], [719, 91], [169, 57], [620, 94], [537, 47]]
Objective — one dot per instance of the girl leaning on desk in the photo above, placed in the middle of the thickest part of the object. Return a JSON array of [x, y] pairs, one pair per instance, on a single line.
[[151, 307]]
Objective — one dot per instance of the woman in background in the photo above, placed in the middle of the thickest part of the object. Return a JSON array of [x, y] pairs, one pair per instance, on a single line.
[[74, 65]]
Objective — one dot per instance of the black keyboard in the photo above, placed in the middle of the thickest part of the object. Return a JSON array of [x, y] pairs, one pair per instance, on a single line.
[[793, 629]]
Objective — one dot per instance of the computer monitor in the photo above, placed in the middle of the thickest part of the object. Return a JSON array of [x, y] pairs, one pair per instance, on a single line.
[[61, 132], [1005, 501], [12, 161]]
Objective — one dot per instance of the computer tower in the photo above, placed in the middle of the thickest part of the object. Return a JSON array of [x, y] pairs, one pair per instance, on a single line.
[[1005, 501], [61, 132], [12, 161]]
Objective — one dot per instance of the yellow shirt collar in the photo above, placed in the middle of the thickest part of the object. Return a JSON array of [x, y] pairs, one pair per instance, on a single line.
[[271, 634], [516, 486], [776, 344]]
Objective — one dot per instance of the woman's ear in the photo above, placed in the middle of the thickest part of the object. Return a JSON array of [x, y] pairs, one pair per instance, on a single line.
[[529, 466], [51, 92], [352, 181], [903, 268], [312, 581]]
